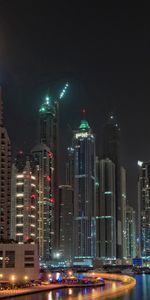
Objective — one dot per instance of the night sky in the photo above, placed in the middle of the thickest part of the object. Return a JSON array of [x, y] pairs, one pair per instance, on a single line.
[[103, 51]]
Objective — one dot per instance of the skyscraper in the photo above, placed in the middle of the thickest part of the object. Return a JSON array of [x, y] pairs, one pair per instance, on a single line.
[[70, 166], [84, 192], [66, 221], [5, 177], [48, 135], [130, 232], [144, 209], [43, 159], [111, 140], [105, 211], [24, 201], [111, 145], [123, 205]]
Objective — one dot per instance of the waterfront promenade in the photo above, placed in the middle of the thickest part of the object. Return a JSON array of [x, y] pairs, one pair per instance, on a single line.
[[127, 283]]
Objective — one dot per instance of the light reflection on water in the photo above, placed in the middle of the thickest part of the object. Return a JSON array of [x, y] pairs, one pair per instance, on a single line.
[[140, 292]]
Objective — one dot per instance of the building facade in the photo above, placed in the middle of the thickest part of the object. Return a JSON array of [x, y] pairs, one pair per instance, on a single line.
[[5, 177], [19, 262], [43, 160], [144, 210], [66, 221], [105, 211], [49, 135], [24, 199], [122, 231], [70, 166], [130, 232], [84, 192], [111, 150]]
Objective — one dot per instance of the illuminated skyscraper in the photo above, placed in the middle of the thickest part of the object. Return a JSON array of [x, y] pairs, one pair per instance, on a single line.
[[111, 145], [70, 167], [43, 159], [123, 187], [5, 177], [130, 232], [66, 221], [105, 211], [84, 192], [144, 209], [24, 200], [49, 135]]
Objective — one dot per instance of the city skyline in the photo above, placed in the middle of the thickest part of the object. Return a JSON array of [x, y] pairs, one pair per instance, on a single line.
[[102, 52], [26, 147], [74, 149]]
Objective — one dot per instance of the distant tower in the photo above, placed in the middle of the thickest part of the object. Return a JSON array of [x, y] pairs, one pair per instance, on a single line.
[[130, 232], [123, 197], [106, 211], [5, 177], [144, 209], [66, 221], [111, 145], [70, 166], [111, 140], [23, 201], [43, 159], [84, 192]]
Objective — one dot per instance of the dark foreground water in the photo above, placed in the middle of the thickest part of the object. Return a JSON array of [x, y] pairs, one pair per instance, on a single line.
[[140, 292]]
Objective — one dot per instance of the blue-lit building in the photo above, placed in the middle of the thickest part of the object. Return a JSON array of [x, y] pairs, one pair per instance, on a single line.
[[144, 209], [84, 192]]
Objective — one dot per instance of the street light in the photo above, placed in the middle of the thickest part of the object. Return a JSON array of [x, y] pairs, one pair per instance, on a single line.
[[25, 278], [13, 279]]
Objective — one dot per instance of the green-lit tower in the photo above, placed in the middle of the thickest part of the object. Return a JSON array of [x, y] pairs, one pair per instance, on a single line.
[[49, 135], [84, 192]]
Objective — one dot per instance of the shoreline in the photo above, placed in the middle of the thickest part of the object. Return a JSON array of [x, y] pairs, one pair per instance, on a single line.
[[127, 284]]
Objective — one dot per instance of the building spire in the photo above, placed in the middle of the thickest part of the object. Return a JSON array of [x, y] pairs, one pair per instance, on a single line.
[[1, 108]]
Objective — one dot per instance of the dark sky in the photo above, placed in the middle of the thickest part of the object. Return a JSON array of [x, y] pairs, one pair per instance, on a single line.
[[103, 51]]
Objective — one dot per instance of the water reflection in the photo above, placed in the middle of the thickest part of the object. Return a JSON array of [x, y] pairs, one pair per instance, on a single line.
[[141, 290]]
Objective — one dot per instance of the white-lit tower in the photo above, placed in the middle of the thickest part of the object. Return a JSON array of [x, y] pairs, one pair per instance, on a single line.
[[43, 160], [84, 192], [24, 199], [144, 210]]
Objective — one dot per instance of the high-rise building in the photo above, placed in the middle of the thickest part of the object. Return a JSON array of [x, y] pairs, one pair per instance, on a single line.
[[5, 177], [144, 209], [23, 201], [48, 135], [111, 140], [105, 211], [84, 192], [66, 221], [122, 237], [43, 159], [130, 232], [111, 145], [70, 166]]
